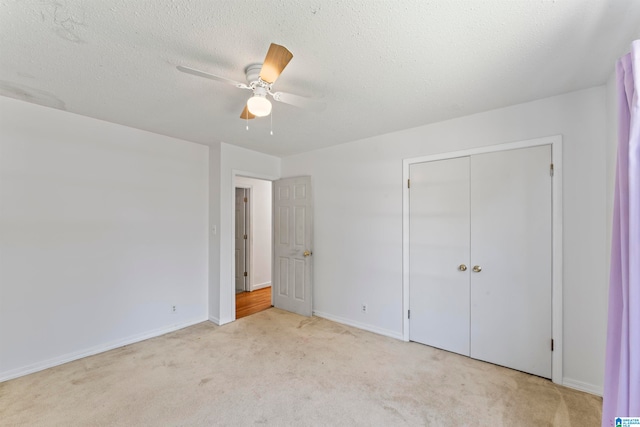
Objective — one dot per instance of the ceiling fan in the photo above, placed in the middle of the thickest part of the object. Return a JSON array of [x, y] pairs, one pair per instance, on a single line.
[[260, 78]]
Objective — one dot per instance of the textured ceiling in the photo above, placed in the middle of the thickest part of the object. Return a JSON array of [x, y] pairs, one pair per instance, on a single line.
[[380, 66]]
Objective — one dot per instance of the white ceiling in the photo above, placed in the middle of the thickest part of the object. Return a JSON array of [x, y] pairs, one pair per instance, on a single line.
[[380, 66]]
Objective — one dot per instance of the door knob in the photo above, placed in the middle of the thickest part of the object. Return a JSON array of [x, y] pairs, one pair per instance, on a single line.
[[477, 268], [307, 253], [462, 267]]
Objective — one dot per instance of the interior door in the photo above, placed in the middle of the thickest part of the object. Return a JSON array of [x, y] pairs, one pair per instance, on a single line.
[[511, 246], [439, 254], [241, 240], [293, 245]]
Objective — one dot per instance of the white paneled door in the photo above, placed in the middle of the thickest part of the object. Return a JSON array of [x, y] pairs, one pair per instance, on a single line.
[[241, 239], [293, 243], [480, 257]]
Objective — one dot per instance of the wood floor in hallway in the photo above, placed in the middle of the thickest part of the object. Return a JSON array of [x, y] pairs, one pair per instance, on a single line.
[[248, 303]]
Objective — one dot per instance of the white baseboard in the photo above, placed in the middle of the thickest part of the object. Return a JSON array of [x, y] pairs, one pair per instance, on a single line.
[[70, 357], [225, 321], [218, 321], [582, 386], [261, 286], [363, 326]]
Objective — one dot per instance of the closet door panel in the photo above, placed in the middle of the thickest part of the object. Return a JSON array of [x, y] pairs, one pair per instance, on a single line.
[[511, 244], [439, 244]]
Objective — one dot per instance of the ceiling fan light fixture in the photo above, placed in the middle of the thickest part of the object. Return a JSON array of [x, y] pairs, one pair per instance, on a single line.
[[259, 106], [260, 78]]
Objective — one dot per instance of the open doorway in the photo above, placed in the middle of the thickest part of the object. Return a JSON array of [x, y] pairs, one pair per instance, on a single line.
[[253, 241]]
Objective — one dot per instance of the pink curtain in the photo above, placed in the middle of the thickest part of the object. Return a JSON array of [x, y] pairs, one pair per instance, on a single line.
[[622, 369]]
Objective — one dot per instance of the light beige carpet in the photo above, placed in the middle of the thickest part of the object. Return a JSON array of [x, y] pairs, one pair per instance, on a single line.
[[277, 368]]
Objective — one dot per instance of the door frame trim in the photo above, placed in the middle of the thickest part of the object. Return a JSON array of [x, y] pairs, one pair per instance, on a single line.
[[556, 229], [236, 173]]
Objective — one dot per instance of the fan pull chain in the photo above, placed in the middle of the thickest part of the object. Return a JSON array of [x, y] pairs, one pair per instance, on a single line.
[[247, 118], [272, 123]]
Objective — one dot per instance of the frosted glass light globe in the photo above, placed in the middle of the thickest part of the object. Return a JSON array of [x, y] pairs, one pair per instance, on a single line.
[[259, 106]]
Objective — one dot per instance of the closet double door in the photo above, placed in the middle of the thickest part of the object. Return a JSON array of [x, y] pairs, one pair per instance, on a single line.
[[480, 246]]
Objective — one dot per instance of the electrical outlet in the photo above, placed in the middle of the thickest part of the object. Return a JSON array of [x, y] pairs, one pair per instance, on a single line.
[[364, 307], [173, 308]]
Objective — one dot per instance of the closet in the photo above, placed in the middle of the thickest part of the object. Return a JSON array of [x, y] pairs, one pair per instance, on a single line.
[[480, 256]]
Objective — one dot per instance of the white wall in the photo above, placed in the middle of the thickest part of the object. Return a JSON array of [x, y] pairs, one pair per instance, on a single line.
[[215, 155], [260, 231], [358, 217], [102, 229], [233, 161]]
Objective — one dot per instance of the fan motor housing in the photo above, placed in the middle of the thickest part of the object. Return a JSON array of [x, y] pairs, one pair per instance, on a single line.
[[253, 72]]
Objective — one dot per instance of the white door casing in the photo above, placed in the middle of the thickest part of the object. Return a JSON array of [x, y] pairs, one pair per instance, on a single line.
[[293, 245], [557, 235], [511, 244], [439, 293]]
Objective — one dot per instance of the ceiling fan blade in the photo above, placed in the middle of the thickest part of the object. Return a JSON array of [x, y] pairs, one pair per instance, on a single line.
[[277, 58], [246, 115], [212, 77], [299, 101]]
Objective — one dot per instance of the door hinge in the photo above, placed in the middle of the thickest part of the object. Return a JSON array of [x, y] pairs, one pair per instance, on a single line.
[[552, 344], [245, 274], [245, 237], [551, 169], [408, 183], [408, 314], [245, 200]]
